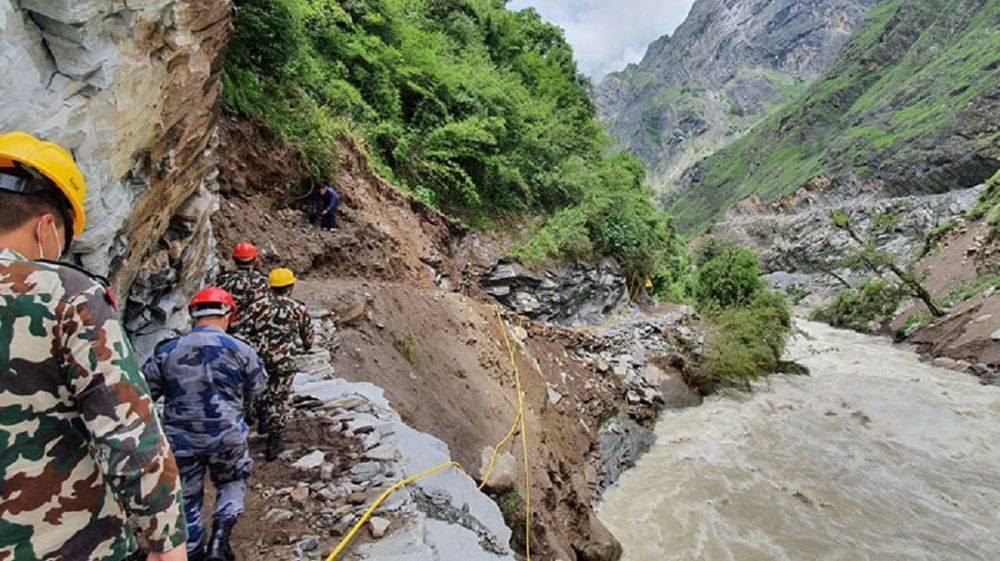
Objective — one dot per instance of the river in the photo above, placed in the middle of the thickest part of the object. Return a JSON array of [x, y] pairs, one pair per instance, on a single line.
[[875, 455]]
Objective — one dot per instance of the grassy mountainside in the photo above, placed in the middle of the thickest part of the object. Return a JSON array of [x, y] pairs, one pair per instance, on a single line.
[[911, 105], [477, 110], [722, 70]]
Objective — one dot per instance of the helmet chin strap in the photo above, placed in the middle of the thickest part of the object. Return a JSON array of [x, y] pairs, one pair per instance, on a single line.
[[38, 236]]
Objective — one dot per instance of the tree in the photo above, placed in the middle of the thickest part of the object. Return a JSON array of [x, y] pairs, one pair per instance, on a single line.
[[879, 262]]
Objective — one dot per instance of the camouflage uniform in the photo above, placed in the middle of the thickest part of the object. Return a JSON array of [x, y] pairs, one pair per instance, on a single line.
[[207, 378], [81, 448], [279, 323], [247, 286]]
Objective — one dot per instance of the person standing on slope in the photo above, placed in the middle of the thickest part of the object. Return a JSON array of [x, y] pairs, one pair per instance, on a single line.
[[325, 206], [207, 379], [280, 323], [245, 283], [84, 463]]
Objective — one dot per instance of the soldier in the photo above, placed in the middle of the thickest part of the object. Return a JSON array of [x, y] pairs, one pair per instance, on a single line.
[[207, 378], [279, 322], [84, 464], [245, 283]]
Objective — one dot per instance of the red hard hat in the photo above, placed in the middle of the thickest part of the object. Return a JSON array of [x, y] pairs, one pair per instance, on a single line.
[[245, 251], [212, 295]]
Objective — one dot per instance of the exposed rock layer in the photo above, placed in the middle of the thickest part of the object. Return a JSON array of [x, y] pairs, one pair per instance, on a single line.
[[132, 90]]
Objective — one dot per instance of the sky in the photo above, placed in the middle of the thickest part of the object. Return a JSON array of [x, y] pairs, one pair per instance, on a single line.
[[608, 34]]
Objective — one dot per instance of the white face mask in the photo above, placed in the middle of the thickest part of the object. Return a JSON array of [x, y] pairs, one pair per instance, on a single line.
[[55, 232]]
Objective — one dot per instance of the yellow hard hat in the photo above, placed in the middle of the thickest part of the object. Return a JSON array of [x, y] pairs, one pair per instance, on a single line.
[[281, 278], [52, 161]]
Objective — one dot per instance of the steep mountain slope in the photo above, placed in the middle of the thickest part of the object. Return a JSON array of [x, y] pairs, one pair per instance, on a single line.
[[728, 64], [910, 107]]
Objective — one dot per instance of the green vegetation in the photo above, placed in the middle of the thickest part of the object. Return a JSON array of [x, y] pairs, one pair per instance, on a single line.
[[916, 74], [747, 326], [477, 110], [867, 308], [969, 289], [728, 276], [879, 262], [409, 348], [914, 320], [744, 343], [988, 205]]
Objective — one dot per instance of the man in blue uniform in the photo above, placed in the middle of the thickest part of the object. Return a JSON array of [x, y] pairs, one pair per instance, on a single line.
[[325, 206], [207, 379]]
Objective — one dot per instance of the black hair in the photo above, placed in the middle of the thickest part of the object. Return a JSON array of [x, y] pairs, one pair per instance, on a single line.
[[16, 209], [284, 290]]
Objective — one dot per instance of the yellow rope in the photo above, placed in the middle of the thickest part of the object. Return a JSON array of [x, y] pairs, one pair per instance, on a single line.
[[524, 438], [519, 422], [385, 495]]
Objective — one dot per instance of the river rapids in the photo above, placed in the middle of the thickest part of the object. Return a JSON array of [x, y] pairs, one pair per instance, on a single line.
[[874, 456]]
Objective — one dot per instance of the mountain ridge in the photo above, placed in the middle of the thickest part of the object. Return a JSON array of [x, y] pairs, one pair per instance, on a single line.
[[908, 108], [726, 66]]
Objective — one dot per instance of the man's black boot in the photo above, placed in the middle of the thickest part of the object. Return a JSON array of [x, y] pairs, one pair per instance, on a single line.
[[275, 445], [219, 548]]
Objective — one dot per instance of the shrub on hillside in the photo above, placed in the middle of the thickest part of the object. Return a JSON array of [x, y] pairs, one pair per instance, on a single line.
[[746, 326], [867, 308], [728, 276], [744, 343]]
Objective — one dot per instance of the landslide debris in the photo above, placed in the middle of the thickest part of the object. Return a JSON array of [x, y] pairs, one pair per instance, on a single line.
[[404, 323]]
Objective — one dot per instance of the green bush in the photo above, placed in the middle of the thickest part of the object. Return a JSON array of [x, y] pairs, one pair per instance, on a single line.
[[868, 308], [744, 343], [988, 206], [476, 109], [728, 276]]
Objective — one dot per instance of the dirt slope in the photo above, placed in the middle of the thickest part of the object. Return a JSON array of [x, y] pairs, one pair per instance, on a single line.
[[382, 234], [438, 354], [966, 332]]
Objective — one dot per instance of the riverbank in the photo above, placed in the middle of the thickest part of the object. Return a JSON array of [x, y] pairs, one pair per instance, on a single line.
[[875, 455]]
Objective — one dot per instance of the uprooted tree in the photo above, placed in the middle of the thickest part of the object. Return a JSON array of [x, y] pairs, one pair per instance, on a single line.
[[879, 262]]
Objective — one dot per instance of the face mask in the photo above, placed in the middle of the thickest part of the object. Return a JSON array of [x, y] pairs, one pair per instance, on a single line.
[[38, 235]]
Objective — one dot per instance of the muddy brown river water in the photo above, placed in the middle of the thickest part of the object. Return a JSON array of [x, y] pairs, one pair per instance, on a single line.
[[874, 456]]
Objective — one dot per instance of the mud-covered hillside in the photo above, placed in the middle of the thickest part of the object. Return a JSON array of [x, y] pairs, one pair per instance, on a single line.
[[724, 68]]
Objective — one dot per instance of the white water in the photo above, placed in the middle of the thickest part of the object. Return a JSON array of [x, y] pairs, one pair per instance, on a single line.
[[874, 456]]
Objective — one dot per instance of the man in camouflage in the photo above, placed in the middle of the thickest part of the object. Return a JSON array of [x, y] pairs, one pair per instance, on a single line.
[[84, 464], [279, 324], [207, 378], [245, 283]]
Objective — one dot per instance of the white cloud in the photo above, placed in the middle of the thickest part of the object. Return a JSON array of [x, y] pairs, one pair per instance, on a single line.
[[608, 34]]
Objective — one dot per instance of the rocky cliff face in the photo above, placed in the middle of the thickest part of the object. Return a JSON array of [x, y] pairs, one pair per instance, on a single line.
[[724, 67], [132, 89], [908, 108]]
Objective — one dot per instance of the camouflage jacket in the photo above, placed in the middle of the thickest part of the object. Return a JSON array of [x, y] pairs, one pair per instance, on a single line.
[[246, 286], [81, 448], [279, 324], [206, 379]]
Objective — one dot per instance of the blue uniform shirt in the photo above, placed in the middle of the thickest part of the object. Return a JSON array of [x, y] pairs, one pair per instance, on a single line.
[[206, 378]]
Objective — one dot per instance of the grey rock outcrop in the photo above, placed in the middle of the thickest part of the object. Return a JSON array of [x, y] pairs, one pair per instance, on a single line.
[[573, 295], [620, 443], [132, 89], [727, 65], [800, 247], [439, 518]]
